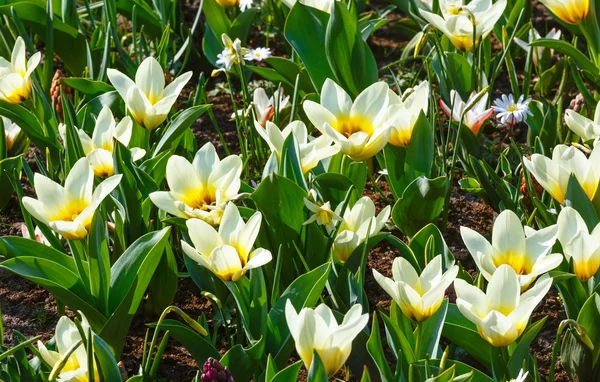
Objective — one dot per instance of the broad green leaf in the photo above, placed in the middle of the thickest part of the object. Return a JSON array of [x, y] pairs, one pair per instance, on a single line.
[[317, 372], [432, 333], [87, 86], [576, 198], [521, 350], [243, 362], [99, 261], [198, 347], [375, 349], [464, 334], [178, 125], [106, 362], [570, 51]]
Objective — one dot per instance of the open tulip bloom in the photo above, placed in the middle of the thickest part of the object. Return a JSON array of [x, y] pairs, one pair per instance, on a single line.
[[475, 117], [318, 330], [419, 297], [358, 127], [99, 147], [202, 188], [147, 99], [457, 25], [579, 245], [227, 252], [76, 367], [15, 85], [311, 150], [501, 314], [321, 213], [584, 127], [359, 223], [553, 174], [526, 251], [404, 111], [69, 210]]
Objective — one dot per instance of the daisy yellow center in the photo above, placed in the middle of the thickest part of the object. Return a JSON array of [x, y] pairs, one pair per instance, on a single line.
[[351, 125], [200, 199], [512, 108], [519, 262], [70, 211]]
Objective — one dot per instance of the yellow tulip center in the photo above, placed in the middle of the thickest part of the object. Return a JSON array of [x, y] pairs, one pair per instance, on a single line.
[[574, 12], [519, 262], [586, 269], [200, 199], [351, 125], [455, 11], [70, 211]]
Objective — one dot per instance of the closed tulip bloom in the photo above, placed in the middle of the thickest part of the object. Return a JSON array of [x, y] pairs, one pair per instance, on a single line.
[[526, 251], [359, 222], [584, 127], [538, 51], [570, 11], [318, 330], [457, 25], [200, 189], [264, 107], [11, 133], [501, 314], [419, 297], [147, 99], [358, 127], [228, 3], [579, 245], [69, 210], [404, 111], [67, 335], [475, 117], [100, 146], [553, 174], [227, 252], [311, 150], [15, 85]]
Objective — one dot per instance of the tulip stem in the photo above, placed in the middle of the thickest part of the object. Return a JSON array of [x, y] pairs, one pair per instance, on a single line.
[[419, 341]]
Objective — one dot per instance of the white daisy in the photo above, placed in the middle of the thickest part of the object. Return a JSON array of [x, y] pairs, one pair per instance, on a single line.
[[510, 112], [258, 54]]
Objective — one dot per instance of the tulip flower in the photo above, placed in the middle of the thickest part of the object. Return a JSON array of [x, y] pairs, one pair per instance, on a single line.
[[359, 222], [200, 189], [67, 335], [553, 174], [99, 147], [501, 314], [475, 117], [538, 51], [147, 99], [11, 133], [419, 297], [227, 3], [232, 54], [404, 111], [318, 330], [264, 107], [570, 11], [227, 252], [359, 127], [322, 5], [69, 210], [311, 150], [584, 127], [525, 250], [461, 22], [579, 245], [15, 85], [322, 213], [38, 234]]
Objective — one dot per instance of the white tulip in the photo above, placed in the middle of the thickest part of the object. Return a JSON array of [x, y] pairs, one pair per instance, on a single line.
[[358, 127], [526, 251], [534, 35], [579, 244], [457, 25], [15, 82], [403, 112], [147, 99], [584, 127], [264, 107], [227, 252], [67, 335], [100, 146], [200, 189], [69, 210], [419, 297], [359, 222], [11, 132], [311, 150], [570, 11], [501, 314], [475, 117], [553, 174], [318, 330], [322, 5]]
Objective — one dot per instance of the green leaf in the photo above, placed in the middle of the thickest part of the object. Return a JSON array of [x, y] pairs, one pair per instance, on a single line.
[[334, 188], [243, 362], [86, 115], [198, 347], [347, 53], [178, 125], [375, 349], [429, 195], [576, 198], [432, 333], [429, 243], [317, 372], [419, 153], [394, 163], [305, 31], [290, 165], [589, 317], [570, 51], [521, 351], [99, 261], [464, 334], [290, 373], [106, 362], [87, 86]]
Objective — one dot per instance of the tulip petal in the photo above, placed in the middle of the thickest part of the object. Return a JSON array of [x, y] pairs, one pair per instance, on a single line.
[[150, 79], [204, 237], [503, 291]]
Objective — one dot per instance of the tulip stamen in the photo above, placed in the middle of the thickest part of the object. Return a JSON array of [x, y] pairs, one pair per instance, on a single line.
[[347, 126]]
